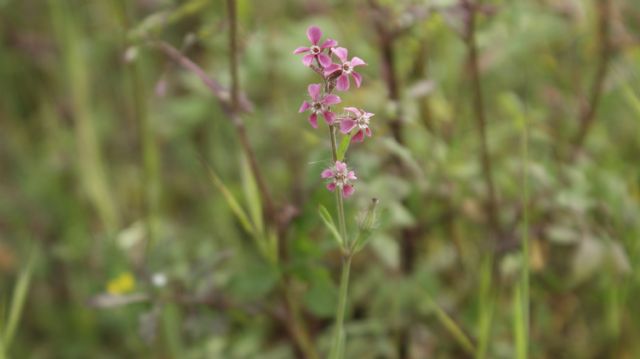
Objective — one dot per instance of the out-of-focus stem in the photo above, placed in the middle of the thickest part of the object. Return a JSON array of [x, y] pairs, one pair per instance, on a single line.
[[478, 109], [588, 112], [300, 334], [269, 207], [150, 163], [92, 173]]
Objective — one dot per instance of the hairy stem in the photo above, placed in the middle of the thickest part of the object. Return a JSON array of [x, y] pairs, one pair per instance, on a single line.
[[337, 348], [339, 198]]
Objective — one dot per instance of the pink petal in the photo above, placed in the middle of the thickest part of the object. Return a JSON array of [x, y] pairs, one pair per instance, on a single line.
[[325, 60], [341, 166], [305, 106], [331, 186], [328, 173], [329, 43], [351, 175], [357, 78], [314, 91], [331, 100], [359, 137], [313, 120], [356, 61], [308, 59], [347, 125], [368, 130], [342, 53], [353, 110], [314, 34], [331, 69], [329, 117], [347, 191], [300, 50], [343, 83]]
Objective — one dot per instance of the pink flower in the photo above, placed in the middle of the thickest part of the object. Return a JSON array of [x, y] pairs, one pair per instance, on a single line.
[[347, 69], [357, 119], [319, 105], [315, 51], [340, 177]]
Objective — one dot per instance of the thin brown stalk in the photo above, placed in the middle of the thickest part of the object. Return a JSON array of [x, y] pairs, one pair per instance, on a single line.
[[479, 112], [589, 109], [300, 336]]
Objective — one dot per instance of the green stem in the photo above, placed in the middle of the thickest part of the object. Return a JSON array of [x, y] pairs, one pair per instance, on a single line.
[[337, 348], [339, 198]]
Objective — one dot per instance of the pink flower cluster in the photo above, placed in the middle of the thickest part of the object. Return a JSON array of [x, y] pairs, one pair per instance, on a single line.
[[320, 56]]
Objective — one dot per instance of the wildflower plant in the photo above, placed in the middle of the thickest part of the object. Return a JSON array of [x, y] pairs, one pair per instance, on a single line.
[[353, 124]]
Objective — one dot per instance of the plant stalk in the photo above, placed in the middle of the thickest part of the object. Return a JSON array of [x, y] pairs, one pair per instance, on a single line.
[[337, 348], [479, 111]]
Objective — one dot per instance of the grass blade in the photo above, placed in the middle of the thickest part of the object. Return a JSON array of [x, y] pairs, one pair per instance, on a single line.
[[17, 304], [452, 327], [232, 203]]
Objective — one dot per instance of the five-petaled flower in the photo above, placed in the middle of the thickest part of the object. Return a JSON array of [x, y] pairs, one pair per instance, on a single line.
[[319, 105], [315, 50], [335, 76], [340, 177], [357, 119], [347, 68]]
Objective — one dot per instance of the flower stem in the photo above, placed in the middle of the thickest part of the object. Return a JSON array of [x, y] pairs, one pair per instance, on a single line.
[[337, 348], [339, 198]]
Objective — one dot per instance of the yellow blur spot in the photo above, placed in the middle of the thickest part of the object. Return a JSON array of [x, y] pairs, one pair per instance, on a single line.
[[121, 284]]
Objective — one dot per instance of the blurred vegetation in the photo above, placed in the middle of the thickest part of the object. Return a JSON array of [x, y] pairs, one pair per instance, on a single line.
[[504, 158]]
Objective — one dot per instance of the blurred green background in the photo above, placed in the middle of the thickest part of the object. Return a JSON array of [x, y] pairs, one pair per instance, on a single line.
[[123, 183]]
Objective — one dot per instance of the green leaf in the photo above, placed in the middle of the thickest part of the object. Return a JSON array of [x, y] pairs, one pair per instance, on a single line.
[[321, 298], [344, 146], [232, 202], [451, 325], [17, 303], [252, 197], [328, 221]]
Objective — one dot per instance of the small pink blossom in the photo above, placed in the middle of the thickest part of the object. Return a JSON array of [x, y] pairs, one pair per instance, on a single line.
[[357, 119], [347, 68], [315, 51], [340, 177], [319, 105]]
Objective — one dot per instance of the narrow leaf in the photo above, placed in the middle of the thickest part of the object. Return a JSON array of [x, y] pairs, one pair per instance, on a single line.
[[328, 221], [252, 197], [344, 146], [17, 303], [232, 202], [451, 325]]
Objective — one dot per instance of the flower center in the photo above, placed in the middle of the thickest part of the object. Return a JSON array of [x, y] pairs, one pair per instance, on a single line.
[[315, 49], [340, 178], [346, 67], [317, 107], [362, 121]]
